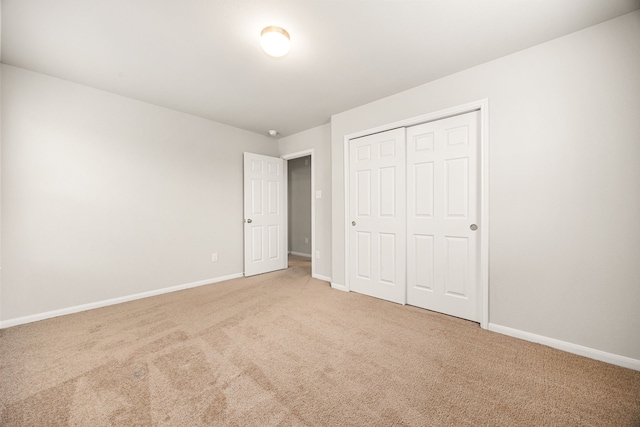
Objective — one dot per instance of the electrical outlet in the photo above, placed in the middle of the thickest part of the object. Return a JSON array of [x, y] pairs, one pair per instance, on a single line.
[[306, 240], [214, 257], [317, 254]]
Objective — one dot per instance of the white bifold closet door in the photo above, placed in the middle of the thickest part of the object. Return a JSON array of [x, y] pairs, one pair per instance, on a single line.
[[413, 205], [377, 215], [442, 195]]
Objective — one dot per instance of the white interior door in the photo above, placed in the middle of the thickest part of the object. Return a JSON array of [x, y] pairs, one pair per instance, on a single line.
[[377, 215], [442, 196], [264, 231]]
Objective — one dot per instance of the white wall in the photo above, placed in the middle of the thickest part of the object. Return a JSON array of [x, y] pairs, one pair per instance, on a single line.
[[299, 206], [564, 182], [318, 139], [105, 196]]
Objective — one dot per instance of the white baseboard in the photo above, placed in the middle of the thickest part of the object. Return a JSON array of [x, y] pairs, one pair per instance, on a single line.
[[84, 307], [321, 277], [339, 287], [300, 254], [580, 350]]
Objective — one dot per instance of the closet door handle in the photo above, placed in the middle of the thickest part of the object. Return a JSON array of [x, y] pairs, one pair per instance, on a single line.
[[353, 223]]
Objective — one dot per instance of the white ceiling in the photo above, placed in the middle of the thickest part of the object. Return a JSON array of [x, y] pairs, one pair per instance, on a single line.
[[203, 56]]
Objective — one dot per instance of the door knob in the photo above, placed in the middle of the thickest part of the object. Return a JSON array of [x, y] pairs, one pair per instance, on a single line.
[[473, 227], [249, 221], [353, 223]]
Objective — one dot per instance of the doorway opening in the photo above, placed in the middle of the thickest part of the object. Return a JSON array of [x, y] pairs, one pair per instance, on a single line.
[[300, 222]]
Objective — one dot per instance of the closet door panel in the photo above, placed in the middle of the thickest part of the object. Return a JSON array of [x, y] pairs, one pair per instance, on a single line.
[[377, 215], [442, 200]]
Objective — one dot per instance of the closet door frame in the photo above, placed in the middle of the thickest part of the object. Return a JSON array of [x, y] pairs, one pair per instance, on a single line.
[[483, 175]]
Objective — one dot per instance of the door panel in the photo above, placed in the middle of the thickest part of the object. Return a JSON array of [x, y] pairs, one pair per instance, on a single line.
[[264, 233], [388, 262], [457, 261], [363, 194], [363, 255], [456, 183], [424, 251], [377, 207], [256, 244], [423, 190], [442, 191]]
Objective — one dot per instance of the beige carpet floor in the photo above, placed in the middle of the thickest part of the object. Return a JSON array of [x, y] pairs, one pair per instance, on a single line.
[[284, 349]]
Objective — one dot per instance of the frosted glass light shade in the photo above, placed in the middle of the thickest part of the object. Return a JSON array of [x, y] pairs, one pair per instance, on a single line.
[[275, 41]]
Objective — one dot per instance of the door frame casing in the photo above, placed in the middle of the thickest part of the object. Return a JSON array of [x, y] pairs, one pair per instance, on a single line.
[[286, 158], [482, 106]]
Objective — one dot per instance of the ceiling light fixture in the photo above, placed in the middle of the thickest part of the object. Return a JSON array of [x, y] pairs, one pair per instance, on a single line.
[[275, 41], [273, 132]]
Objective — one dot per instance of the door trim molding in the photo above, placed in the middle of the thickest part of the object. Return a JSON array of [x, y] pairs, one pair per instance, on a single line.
[[286, 158], [482, 106]]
